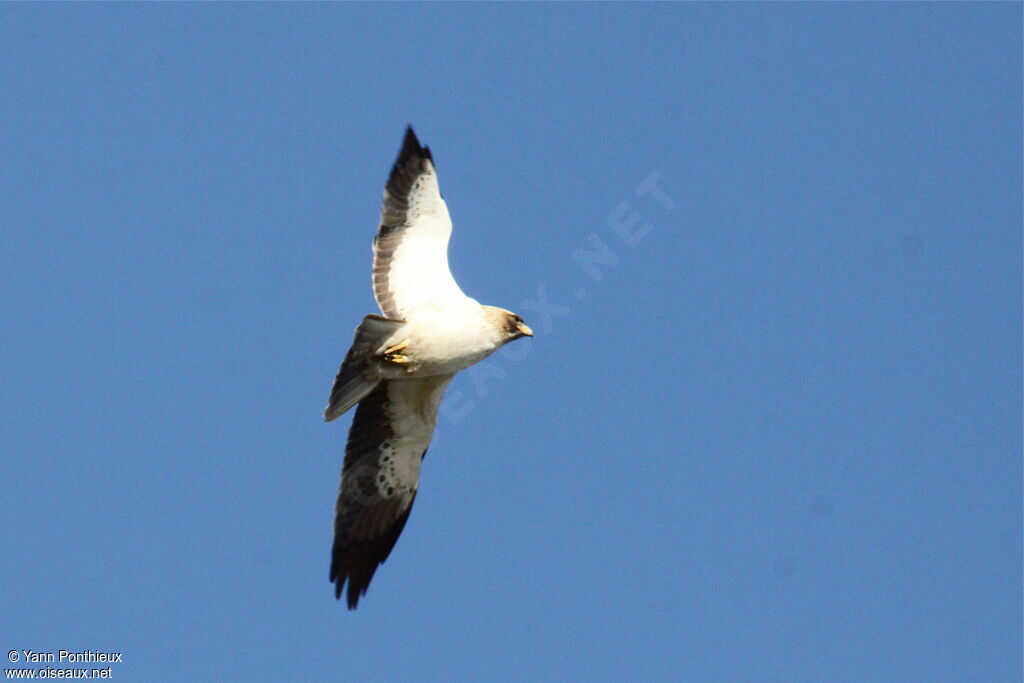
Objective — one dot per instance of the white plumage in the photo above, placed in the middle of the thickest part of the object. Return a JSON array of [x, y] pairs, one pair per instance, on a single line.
[[399, 366]]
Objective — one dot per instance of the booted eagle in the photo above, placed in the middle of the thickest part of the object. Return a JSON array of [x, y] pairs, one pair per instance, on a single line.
[[399, 366]]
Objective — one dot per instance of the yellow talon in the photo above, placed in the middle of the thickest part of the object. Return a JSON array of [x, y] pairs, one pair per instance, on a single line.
[[396, 348]]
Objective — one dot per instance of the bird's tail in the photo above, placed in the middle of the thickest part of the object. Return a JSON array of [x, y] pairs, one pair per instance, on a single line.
[[358, 375]]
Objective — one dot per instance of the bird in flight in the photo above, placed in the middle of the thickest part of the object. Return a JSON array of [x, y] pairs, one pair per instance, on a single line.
[[399, 366]]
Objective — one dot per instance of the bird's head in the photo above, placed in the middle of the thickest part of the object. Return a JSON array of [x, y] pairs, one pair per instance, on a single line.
[[508, 325]]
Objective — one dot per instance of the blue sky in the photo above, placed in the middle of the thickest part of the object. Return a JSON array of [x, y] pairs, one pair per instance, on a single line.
[[772, 432]]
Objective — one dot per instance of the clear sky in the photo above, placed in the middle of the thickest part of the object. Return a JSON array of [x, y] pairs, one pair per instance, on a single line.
[[770, 424]]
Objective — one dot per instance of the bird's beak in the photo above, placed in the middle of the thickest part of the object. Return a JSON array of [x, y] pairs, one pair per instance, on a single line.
[[524, 330]]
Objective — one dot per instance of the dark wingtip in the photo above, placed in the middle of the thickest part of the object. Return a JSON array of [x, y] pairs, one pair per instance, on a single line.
[[353, 596], [411, 148], [343, 578]]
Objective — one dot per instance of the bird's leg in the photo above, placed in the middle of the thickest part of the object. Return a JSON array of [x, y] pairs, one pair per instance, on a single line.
[[392, 355]]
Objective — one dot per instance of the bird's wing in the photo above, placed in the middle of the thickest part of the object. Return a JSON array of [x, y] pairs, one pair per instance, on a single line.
[[388, 439], [359, 373], [410, 252]]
